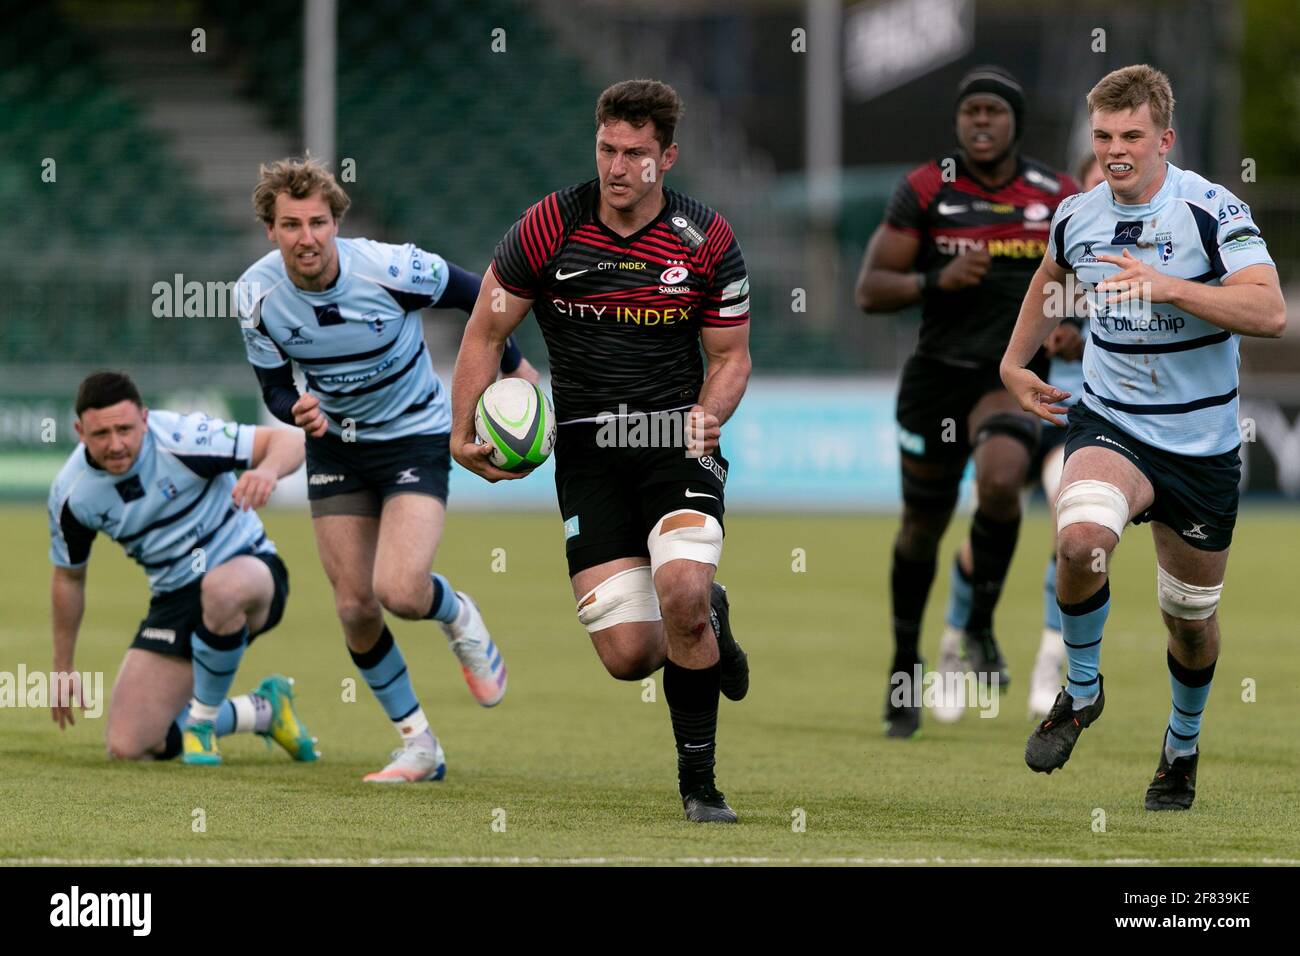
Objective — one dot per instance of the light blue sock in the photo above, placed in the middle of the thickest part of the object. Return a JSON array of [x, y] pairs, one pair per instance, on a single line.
[[959, 596], [1051, 610], [1081, 627], [446, 605], [216, 659], [226, 722], [1191, 689], [384, 670]]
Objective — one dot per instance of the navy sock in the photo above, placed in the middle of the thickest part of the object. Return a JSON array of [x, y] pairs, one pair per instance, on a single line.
[[909, 583], [692, 697], [992, 543]]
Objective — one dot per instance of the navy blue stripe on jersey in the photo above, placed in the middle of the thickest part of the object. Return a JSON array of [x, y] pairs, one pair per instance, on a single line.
[[209, 466], [169, 519], [373, 386], [167, 562], [1208, 227], [409, 301], [1058, 237], [1152, 348], [461, 291], [414, 407], [76, 535], [1174, 408], [354, 357]]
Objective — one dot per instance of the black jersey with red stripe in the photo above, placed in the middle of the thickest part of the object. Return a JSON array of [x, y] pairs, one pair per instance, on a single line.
[[953, 213], [622, 315]]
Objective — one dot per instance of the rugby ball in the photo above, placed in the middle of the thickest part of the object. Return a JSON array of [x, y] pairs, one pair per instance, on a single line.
[[516, 418]]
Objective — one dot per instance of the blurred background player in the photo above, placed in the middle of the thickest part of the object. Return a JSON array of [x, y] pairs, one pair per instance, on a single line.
[[629, 280], [961, 235], [162, 485], [1065, 374], [376, 417], [1177, 272]]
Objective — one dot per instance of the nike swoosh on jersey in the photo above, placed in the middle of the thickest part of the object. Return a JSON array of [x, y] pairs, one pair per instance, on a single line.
[[698, 494], [946, 210], [561, 276]]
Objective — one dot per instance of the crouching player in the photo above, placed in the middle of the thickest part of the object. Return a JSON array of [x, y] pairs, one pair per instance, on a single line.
[[162, 486], [1178, 271]]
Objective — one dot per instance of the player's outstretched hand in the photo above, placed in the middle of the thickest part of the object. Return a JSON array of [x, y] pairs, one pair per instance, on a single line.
[[1065, 342], [1135, 281], [308, 416], [1033, 393], [476, 457], [67, 694], [703, 432], [254, 487], [965, 270]]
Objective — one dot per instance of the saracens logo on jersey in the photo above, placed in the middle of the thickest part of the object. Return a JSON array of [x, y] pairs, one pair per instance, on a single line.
[[674, 274]]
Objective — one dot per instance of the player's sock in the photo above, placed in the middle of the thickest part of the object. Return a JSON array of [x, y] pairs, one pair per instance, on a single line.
[[247, 713], [992, 543], [1081, 627], [384, 670], [216, 659], [1051, 610], [445, 605], [692, 697], [1191, 689], [910, 586], [959, 595]]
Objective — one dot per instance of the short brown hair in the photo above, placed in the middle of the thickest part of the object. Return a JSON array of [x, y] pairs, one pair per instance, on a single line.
[[102, 389], [1129, 88], [300, 178], [639, 101]]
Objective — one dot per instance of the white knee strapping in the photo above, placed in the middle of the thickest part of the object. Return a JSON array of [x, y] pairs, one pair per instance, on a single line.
[[1190, 602], [1053, 467], [619, 599], [685, 534], [1093, 502]]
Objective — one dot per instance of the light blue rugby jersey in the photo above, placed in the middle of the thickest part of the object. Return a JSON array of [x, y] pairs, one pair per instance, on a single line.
[[1163, 375], [360, 343], [175, 499]]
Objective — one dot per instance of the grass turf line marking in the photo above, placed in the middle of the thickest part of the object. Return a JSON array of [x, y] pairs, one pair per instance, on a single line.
[[622, 860]]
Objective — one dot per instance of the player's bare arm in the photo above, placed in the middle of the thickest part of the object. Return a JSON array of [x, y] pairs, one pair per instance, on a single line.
[[1033, 326], [67, 606], [729, 365], [276, 452], [1248, 302], [496, 314], [888, 281]]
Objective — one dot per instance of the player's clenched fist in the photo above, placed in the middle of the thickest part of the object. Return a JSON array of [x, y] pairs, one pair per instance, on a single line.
[[702, 432], [1065, 342], [965, 270], [1033, 393], [308, 416], [254, 487]]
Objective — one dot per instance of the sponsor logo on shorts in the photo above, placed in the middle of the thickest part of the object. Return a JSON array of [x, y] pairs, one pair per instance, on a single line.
[[1110, 441], [718, 471], [1196, 531], [159, 634], [406, 477], [324, 479], [570, 527], [699, 494], [911, 442]]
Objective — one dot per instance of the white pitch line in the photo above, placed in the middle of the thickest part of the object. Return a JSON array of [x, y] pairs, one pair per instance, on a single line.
[[642, 860]]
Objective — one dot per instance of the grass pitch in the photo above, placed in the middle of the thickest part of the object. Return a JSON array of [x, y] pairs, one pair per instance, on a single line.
[[577, 766]]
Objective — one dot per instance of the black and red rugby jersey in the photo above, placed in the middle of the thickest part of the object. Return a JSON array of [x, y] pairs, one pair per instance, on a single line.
[[622, 315], [1011, 222]]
